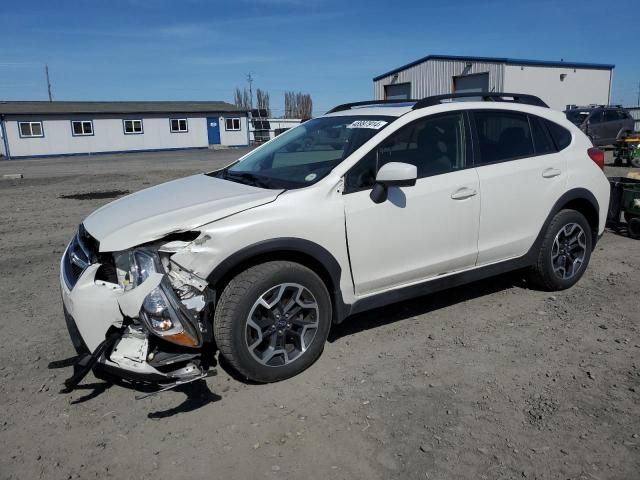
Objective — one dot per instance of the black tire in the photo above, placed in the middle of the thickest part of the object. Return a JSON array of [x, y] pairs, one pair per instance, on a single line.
[[542, 274], [235, 305], [633, 226]]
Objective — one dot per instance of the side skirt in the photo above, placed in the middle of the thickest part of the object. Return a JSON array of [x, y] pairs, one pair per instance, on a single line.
[[438, 284]]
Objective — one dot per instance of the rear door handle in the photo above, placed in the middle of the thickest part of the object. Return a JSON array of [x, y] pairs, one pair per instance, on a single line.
[[551, 172], [463, 193]]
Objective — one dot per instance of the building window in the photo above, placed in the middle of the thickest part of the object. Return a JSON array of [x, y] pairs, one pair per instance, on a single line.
[[232, 124], [178, 125], [30, 129], [81, 128], [132, 127]]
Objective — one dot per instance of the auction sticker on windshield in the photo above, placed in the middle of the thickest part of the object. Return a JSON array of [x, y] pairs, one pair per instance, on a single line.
[[374, 124]]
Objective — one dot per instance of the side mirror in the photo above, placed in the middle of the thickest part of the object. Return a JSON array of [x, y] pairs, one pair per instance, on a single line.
[[393, 174]]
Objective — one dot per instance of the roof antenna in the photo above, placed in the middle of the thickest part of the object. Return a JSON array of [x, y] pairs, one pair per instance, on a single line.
[[46, 71]]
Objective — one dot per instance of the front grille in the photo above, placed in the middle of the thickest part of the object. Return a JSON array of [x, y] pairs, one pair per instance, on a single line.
[[81, 252]]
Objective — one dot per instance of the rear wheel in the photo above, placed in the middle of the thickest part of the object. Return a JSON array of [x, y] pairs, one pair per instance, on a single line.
[[272, 320], [633, 225], [564, 253]]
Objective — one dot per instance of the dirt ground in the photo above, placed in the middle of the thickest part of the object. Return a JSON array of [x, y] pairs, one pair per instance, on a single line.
[[488, 381]]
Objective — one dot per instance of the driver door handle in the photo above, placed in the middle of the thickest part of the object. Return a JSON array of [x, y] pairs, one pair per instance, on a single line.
[[463, 193], [551, 172]]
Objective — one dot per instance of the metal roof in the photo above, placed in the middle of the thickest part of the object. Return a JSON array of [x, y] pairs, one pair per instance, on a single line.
[[66, 108], [508, 61]]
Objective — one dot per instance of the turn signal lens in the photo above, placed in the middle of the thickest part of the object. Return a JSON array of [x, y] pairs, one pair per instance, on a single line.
[[182, 339], [597, 156]]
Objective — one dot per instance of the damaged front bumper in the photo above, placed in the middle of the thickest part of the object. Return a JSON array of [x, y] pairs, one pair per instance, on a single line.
[[108, 327]]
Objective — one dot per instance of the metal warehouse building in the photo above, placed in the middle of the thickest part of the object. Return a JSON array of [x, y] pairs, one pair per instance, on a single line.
[[31, 129], [559, 84]]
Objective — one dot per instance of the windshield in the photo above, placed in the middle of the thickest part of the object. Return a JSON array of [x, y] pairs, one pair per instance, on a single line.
[[576, 116], [305, 154]]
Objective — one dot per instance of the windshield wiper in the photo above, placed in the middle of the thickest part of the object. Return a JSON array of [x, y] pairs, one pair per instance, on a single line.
[[247, 178]]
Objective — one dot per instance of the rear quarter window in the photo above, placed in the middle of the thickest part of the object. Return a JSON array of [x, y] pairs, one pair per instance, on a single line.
[[542, 140], [561, 136]]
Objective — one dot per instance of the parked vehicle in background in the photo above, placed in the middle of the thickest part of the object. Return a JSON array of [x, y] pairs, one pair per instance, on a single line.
[[604, 125], [373, 203]]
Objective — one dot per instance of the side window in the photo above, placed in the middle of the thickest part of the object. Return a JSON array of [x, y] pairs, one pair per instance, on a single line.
[[596, 117], [561, 136], [622, 115], [435, 145], [541, 138], [503, 136], [611, 116]]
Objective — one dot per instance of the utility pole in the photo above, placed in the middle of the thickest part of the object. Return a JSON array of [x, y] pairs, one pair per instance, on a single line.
[[46, 71], [638, 101], [250, 80]]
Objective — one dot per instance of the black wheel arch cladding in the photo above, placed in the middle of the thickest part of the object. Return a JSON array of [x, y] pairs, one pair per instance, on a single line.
[[306, 252], [581, 200]]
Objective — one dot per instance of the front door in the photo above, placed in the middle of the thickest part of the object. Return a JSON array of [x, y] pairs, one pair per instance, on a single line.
[[422, 231], [213, 130]]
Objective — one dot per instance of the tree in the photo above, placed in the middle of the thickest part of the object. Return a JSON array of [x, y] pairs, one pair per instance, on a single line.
[[262, 99], [298, 105], [241, 99]]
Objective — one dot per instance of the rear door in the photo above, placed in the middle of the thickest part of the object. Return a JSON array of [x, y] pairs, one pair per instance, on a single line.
[[521, 176], [596, 128], [422, 231], [613, 124]]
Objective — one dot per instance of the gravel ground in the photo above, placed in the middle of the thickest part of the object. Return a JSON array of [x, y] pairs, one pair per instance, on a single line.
[[490, 380]]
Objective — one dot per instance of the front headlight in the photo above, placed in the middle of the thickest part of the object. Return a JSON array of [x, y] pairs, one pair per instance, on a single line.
[[134, 266], [161, 311]]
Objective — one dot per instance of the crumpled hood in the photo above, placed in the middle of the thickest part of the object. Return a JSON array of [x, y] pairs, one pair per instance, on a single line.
[[177, 206]]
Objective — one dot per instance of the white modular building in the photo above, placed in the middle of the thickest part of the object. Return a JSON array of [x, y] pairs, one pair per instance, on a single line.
[[38, 128], [558, 83]]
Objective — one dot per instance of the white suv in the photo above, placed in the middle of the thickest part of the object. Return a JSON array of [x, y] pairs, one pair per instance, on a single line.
[[370, 204]]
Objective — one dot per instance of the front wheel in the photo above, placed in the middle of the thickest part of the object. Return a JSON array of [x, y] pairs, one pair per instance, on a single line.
[[564, 252], [272, 320]]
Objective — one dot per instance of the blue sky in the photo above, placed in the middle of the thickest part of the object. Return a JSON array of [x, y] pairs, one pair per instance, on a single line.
[[202, 50]]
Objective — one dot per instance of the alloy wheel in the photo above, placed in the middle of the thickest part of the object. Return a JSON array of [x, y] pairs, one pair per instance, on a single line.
[[569, 251], [282, 324]]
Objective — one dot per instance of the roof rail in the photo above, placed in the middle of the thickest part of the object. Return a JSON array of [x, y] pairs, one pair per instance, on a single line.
[[349, 106], [485, 96]]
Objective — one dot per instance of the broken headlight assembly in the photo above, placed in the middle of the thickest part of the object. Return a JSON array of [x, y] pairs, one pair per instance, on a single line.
[[162, 312]]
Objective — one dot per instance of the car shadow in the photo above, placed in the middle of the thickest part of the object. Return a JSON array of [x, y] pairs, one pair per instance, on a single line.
[[621, 229], [425, 304], [197, 393]]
